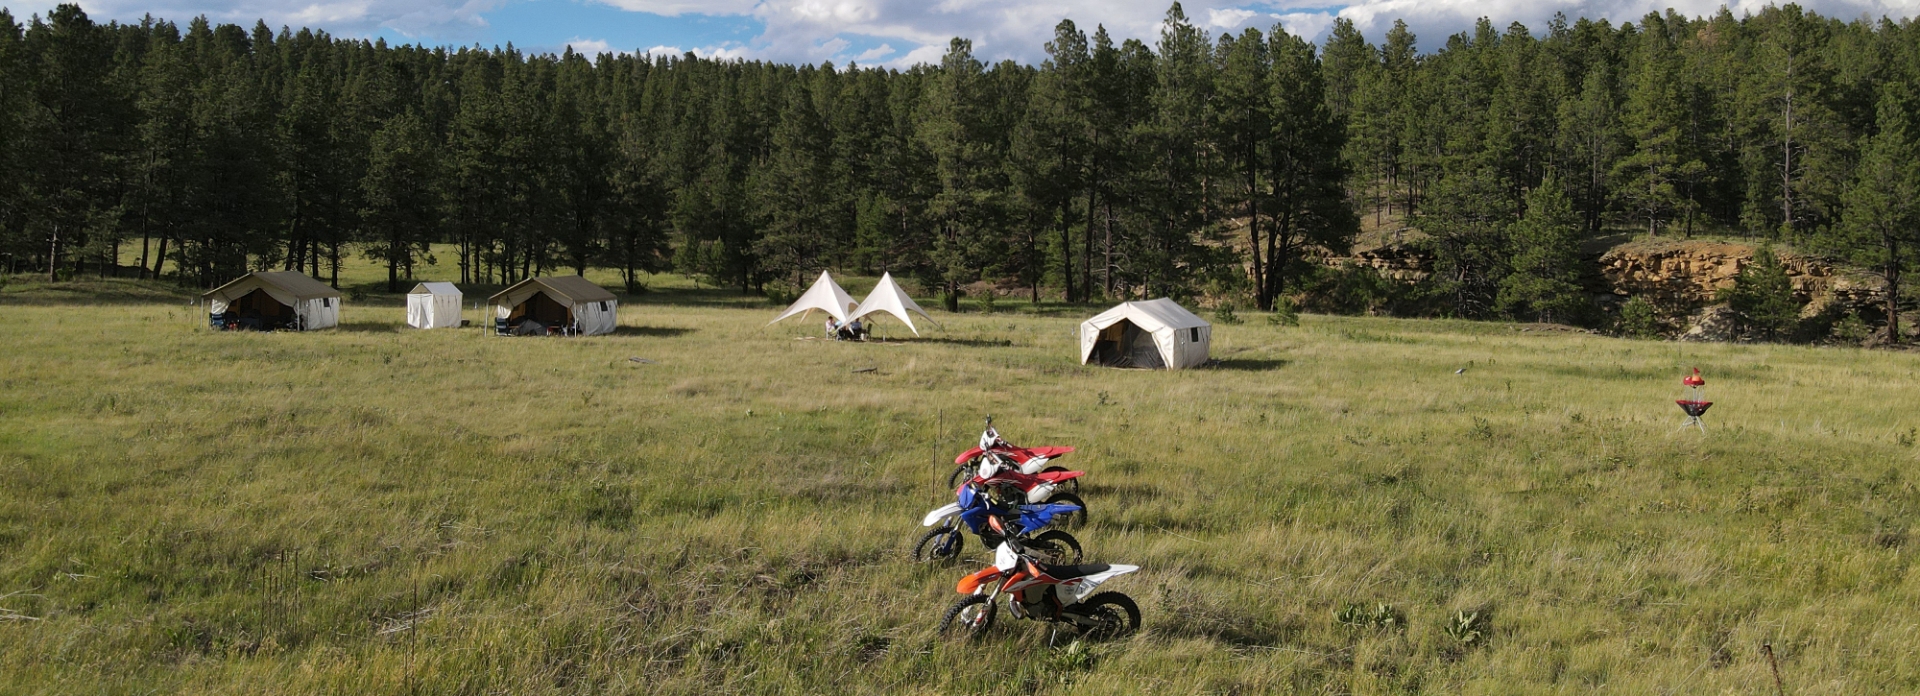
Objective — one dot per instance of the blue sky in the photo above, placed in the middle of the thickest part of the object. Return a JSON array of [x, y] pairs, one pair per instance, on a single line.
[[886, 32]]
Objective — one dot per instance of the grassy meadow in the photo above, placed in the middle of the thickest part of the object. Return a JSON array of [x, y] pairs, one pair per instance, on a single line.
[[375, 509]]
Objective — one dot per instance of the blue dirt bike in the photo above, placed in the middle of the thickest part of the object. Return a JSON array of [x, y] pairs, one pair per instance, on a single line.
[[995, 519]]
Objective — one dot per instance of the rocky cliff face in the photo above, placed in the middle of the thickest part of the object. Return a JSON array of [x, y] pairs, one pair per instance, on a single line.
[[1396, 261], [1687, 273]]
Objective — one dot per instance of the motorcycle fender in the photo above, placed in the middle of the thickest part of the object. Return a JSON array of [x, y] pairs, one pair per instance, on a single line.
[[1078, 590], [972, 584], [968, 455], [1038, 494], [940, 513], [1033, 465]]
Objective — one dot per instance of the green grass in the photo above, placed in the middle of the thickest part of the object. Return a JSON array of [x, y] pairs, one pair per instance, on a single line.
[[376, 509]]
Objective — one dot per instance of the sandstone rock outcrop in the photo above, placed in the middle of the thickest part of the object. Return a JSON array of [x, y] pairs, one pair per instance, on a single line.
[[1689, 273]]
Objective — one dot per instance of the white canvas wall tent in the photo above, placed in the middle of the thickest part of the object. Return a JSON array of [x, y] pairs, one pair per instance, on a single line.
[[434, 305], [1151, 333], [268, 300], [562, 304], [889, 298], [826, 296]]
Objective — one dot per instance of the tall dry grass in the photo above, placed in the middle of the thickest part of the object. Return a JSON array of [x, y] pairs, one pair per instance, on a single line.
[[376, 509]]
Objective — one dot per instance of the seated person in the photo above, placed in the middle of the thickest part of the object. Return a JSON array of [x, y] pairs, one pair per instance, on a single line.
[[846, 332], [859, 331], [833, 328]]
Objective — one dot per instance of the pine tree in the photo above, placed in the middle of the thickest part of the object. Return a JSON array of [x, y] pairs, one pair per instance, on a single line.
[[1180, 192], [1245, 109], [1305, 172], [1651, 178], [1545, 279], [13, 102], [72, 131], [1590, 145], [1762, 294], [1051, 151], [399, 196], [793, 207], [1880, 229], [164, 99], [969, 203]]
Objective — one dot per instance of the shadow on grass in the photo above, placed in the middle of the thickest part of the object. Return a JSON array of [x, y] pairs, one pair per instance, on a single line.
[[652, 331], [23, 290], [962, 342], [1249, 364], [368, 327], [730, 298]]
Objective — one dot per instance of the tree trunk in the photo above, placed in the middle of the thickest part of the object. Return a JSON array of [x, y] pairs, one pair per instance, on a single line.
[[53, 256], [143, 248], [1066, 247], [1086, 250], [1253, 239], [160, 256], [1106, 209], [1893, 292]]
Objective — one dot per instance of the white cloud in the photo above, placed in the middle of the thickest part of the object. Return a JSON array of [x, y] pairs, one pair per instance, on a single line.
[[675, 8], [591, 47], [1229, 19], [1309, 24], [1019, 29], [433, 20], [916, 31], [722, 52]]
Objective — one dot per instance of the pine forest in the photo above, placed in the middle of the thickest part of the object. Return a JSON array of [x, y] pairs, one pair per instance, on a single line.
[[1229, 168]]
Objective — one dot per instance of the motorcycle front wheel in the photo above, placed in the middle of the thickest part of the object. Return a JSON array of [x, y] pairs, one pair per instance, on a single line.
[[1072, 519], [1106, 616], [971, 616], [1056, 547], [939, 544], [961, 474]]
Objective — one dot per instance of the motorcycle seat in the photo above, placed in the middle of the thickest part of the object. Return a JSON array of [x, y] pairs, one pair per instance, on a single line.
[[1068, 572]]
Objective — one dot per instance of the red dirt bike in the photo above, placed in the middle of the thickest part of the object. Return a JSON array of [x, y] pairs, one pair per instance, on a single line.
[[1043, 591], [1025, 460], [1052, 486]]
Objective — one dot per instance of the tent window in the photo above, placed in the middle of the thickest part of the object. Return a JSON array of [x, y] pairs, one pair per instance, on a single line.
[[603, 306], [326, 302], [1195, 335]]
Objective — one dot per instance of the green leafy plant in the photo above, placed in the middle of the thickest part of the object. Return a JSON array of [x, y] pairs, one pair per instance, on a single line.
[[1073, 657], [1468, 627], [1284, 313], [1382, 616], [1851, 330], [1638, 319], [1225, 314], [1763, 296]]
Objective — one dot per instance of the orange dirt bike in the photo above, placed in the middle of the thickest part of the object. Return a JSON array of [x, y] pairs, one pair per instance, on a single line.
[[1041, 591]]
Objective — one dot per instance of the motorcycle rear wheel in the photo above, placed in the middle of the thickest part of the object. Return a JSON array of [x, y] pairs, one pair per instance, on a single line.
[[939, 544], [1059, 548], [1071, 485], [1076, 518], [1111, 615], [972, 615]]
